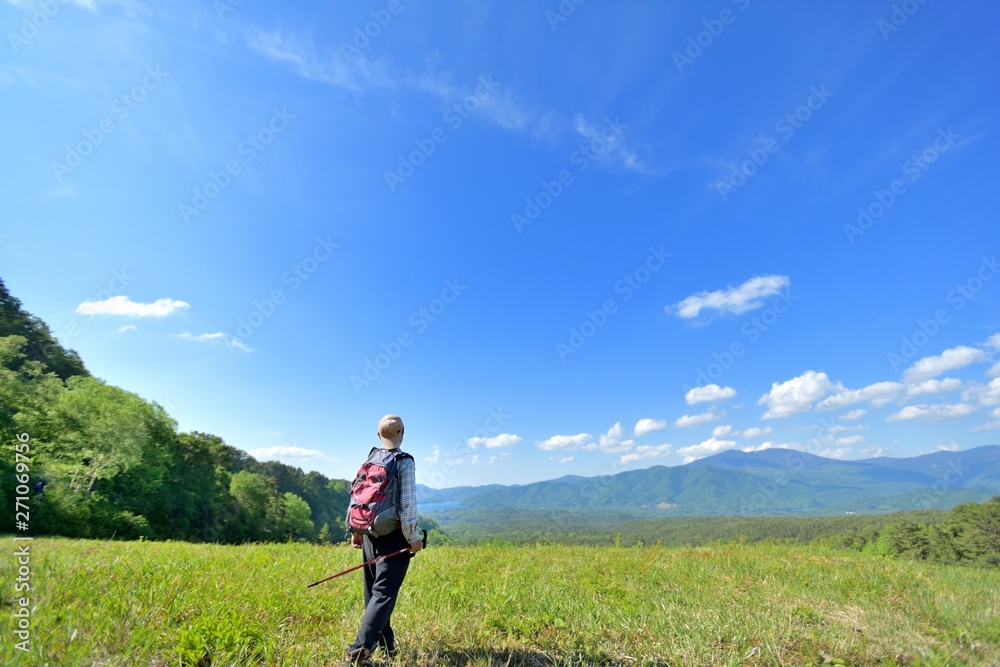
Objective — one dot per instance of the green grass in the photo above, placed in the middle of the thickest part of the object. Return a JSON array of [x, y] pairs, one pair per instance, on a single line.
[[159, 604]]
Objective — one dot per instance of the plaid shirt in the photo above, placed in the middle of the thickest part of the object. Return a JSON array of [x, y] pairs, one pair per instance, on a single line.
[[408, 499]]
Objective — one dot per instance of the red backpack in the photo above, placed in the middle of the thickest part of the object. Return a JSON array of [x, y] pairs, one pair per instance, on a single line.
[[375, 494]]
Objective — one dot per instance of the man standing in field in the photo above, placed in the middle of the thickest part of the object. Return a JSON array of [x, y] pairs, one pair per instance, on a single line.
[[383, 579]]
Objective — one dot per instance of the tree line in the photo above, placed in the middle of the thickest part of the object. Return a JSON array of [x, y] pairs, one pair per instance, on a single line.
[[106, 463], [967, 534]]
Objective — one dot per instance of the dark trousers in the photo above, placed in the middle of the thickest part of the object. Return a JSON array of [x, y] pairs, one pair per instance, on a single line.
[[382, 582]]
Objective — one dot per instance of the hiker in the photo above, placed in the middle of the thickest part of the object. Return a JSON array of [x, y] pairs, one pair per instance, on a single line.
[[383, 579]]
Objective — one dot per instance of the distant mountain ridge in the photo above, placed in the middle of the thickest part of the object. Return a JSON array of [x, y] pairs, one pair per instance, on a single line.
[[770, 482]]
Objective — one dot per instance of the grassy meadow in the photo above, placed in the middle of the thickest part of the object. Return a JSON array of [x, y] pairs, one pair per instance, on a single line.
[[158, 604]]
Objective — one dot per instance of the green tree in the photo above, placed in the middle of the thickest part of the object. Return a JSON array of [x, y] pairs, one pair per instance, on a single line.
[[295, 521], [254, 495], [979, 524]]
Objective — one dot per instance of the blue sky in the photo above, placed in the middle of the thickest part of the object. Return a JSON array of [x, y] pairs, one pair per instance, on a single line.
[[555, 238]]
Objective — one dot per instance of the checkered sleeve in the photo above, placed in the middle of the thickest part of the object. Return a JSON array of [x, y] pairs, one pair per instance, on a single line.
[[408, 499]]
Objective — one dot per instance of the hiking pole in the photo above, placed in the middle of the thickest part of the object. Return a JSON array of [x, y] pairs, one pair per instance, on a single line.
[[371, 562]]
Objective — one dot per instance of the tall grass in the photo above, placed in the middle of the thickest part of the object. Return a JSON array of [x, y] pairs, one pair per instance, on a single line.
[[160, 604]]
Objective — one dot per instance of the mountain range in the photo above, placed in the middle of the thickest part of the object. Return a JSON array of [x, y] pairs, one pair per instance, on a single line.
[[769, 482]]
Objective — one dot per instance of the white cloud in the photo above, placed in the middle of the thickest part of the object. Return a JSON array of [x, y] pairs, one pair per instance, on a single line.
[[850, 440], [645, 452], [854, 415], [984, 395], [989, 426], [493, 102], [615, 150], [435, 457], [644, 426], [218, 337], [722, 431], [687, 421], [291, 455], [765, 446], [732, 300], [710, 446], [840, 429], [950, 447], [875, 452], [994, 372], [127, 327], [568, 459], [933, 387], [995, 413], [797, 395], [879, 394], [334, 69], [726, 431], [835, 453], [497, 441], [755, 432], [949, 360], [474, 460], [122, 305], [565, 442], [709, 393], [612, 441], [943, 411], [993, 342], [499, 457]]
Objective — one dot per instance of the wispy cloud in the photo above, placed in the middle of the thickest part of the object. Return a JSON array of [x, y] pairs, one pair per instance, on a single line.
[[645, 452], [687, 421], [296, 456], [880, 393], [123, 306], [932, 412], [732, 300], [333, 68], [218, 337]]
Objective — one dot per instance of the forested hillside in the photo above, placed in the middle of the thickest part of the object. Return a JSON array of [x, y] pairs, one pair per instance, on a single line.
[[105, 462]]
